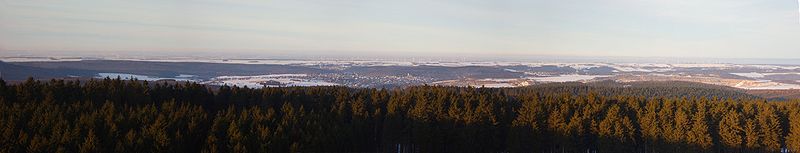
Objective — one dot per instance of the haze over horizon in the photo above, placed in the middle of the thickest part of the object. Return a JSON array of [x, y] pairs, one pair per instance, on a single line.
[[609, 28]]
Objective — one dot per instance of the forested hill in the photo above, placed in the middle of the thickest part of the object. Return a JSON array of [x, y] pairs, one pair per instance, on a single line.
[[645, 89], [130, 116]]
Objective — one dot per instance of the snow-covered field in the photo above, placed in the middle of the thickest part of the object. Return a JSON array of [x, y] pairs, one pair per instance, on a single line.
[[750, 75], [486, 83], [772, 86], [272, 80], [755, 76], [499, 85], [186, 76], [567, 78], [259, 76], [620, 67], [126, 76]]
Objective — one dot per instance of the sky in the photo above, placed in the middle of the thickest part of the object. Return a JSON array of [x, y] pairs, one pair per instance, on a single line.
[[631, 28]]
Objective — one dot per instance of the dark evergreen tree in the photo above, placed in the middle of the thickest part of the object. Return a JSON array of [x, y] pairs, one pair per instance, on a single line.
[[112, 115]]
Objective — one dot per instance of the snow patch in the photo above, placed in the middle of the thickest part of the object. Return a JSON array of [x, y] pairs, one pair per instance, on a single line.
[[750, 75], [271, 80], [511, 70], [186, 76], [498, 85], [126, 76], [775, 86], [568, 78], [756, 75], [583, 67]]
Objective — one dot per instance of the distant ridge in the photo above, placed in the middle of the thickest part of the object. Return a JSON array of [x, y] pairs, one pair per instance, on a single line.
[[19, 72]]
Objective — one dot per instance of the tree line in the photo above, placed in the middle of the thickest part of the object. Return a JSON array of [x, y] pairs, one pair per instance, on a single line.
[[113, 115]]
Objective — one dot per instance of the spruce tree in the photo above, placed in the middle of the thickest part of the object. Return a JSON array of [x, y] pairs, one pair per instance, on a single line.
[[793, 139], [731, 132], [771, 129], [752, 135], [90, 143], [699, 135]]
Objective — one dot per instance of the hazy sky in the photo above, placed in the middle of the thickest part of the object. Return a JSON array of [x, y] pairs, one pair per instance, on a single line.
[[669, 28]]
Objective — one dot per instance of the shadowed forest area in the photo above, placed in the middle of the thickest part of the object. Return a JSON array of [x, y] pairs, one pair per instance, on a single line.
[[112, 115]]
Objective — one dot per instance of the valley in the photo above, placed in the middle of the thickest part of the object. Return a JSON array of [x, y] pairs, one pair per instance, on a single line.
[[398, 73]]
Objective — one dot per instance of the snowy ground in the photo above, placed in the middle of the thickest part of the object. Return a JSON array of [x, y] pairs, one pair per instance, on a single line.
[[186, 76], [499, 85], [126, 76], [750, 75], [758, 76], [772, 86], [766, 84], [567, 78], [282, 80]]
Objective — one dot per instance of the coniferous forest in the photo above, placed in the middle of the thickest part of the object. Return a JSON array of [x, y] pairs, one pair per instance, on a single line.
[[113, 115]]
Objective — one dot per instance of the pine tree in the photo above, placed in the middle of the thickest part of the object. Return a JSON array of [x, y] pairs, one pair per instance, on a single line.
[[58, 116], [770, 127], [699, 135], [666, 117], [235, 138], [526, 127], [557, 128], [731, 131], [614, 130], [752, 135], [90, 143], [650, 126], [680, 129], [793, 139]]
